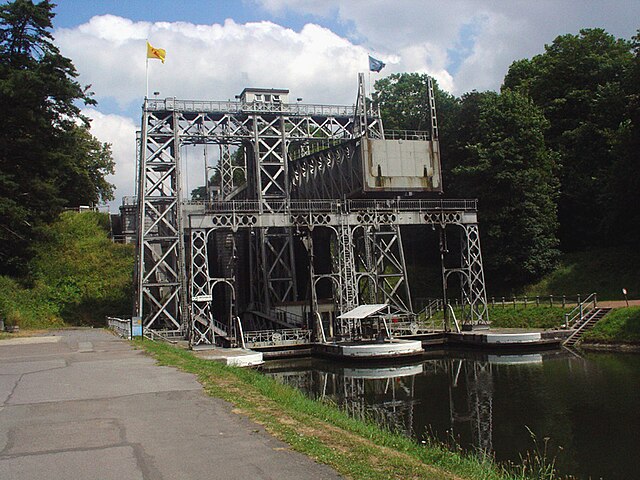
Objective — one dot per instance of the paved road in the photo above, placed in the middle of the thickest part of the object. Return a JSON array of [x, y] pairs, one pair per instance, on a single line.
[[83, 404]]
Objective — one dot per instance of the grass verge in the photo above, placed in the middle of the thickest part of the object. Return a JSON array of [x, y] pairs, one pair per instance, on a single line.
[[526, 317], [355, 449], [622, 325], [78, 276]]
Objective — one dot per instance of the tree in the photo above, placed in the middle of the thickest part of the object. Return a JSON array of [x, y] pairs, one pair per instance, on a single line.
[[404, 105], [48, 158], [502, 160], [579, 84], [623, 187]]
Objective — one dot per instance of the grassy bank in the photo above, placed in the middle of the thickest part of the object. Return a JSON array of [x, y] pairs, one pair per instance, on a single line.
[[622, 325], [526, 317], [356, 449], [605, 271], [78, 275]]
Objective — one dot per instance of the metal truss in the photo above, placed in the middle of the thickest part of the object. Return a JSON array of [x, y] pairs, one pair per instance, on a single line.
[[201, 296], [291, 150], [269, 130], [330, 173], [389, 269], [346, 267], [161, 267], [473, 281], [470, 272], [226, 172]]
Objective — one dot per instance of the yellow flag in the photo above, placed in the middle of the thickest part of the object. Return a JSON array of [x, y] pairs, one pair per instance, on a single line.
[[153, 52]]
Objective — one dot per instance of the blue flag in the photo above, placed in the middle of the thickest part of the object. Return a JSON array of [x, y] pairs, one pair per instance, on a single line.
[[375, 65]]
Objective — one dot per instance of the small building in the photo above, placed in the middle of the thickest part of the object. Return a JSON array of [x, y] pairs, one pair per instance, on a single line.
[[264, 95]]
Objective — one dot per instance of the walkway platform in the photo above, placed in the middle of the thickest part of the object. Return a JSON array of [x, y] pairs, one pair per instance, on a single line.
[[86, 404], [388, 349], [508, 338], [235, 357]]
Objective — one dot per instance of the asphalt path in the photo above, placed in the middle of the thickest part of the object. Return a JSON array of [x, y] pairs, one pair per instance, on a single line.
[[83, 404]]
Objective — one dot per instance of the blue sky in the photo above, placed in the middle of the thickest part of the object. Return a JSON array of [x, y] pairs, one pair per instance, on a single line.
[[315, 48], [70, 13]]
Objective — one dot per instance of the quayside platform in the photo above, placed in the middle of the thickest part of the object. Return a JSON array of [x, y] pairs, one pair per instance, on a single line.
[[494, 339], [510, 338], [370, 350]]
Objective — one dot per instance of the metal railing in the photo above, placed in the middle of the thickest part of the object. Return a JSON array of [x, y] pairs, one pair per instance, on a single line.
[[284, 316], [453, 315], [575, 317], [216, 106], [335, 206], [120, 326], [550, 300], [407, 135], [241, 333], [274, 338]]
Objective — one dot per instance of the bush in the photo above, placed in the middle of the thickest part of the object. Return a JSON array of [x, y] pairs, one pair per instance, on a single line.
[[78, 276]]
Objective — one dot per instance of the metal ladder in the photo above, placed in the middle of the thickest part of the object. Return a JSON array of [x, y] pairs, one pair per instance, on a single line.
[[586, 324]]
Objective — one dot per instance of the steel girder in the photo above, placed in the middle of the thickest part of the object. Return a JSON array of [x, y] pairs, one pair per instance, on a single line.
[[201, 295], [473, 281], [161, 299], [330, 173], [471, 274]]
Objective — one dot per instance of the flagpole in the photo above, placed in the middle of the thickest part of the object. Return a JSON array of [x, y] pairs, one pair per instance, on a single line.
[[146, 75]]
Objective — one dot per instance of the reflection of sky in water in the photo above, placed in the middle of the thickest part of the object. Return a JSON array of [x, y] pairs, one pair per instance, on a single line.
[[589, 407]]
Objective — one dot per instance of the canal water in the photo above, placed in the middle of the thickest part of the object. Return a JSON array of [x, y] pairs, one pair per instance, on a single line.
[[585, 408]]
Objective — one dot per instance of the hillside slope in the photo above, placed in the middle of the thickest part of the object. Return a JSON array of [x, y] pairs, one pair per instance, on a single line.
[[78, 276]]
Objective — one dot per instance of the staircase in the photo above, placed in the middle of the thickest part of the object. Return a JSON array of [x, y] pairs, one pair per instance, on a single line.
[[586, 324]]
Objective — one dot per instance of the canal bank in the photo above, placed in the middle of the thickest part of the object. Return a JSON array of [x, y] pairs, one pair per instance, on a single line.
[[581, 408], [356, 448]]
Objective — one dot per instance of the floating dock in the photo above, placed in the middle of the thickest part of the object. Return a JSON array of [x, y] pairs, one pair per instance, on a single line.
[[236, 357], [370, 350]]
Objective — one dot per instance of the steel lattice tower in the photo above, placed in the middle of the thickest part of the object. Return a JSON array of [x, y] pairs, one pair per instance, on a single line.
[[306, 171]]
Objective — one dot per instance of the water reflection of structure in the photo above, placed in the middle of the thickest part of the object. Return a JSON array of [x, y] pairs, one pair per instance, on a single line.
[[388, 395], [384, 395], [478, 393]]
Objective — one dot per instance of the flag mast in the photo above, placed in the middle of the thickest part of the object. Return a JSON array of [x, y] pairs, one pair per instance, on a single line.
[[158, 54]]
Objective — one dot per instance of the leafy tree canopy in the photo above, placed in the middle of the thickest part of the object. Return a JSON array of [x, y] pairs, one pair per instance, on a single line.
[[502, 159], [580, 84], [48, 158]]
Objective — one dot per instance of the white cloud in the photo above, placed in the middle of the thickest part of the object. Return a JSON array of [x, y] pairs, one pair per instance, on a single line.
[[507, 30], [212, 61], [120, 132], [217, 61]]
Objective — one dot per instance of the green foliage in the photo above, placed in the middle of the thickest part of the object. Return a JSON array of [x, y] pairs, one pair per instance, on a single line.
[[48, 159], [78, 276], [501, 158], [26, 307], [403, 99], [580, 82], [526, 317], [622, 325], [605, 271]]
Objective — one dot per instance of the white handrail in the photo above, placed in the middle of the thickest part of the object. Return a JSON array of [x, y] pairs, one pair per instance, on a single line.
[[241, 333], [455, 320], [324, 338]]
